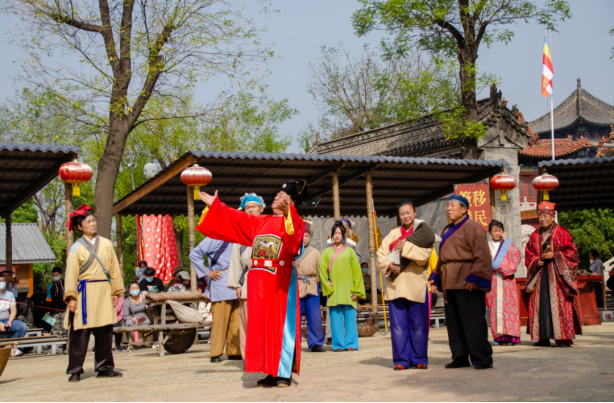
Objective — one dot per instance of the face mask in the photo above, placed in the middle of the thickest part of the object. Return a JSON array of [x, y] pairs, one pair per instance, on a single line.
[[149, 279], [365, 271], [134, 293], [2, 285], [142, 270], [56, 278]]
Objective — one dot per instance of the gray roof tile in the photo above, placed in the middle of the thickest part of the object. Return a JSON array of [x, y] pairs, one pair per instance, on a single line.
[[29, 245]]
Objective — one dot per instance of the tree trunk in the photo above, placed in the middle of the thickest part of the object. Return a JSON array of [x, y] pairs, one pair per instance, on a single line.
[[179, 241], [467, 58], [108, 169]]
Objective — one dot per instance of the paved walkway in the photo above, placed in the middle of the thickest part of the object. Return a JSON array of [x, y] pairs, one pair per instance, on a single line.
[[584, 372]]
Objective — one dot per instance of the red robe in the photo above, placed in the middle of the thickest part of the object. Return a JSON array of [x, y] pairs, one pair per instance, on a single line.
[[273, 329], [562, 287]]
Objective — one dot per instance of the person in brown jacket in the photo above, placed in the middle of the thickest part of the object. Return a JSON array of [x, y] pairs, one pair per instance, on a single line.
[[463, 273], [307, 265]]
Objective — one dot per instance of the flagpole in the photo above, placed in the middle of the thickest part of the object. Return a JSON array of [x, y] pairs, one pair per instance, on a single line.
[[551, 103]]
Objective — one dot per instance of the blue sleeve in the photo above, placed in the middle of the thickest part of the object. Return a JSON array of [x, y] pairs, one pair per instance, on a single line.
[[49, 293], [197, 256]]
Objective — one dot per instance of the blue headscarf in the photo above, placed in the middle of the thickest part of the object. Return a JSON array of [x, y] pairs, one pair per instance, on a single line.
[[462, 200], [251, 197]]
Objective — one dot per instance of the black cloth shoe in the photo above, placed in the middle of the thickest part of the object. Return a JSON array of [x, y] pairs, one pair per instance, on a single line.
[[270, 380], [216, 359], [317, 349], [109, 374], [284, 382], [542, 343], [479, 366], [329, 342], [118, 347], [74, 378], [458, 364], [235, 357]]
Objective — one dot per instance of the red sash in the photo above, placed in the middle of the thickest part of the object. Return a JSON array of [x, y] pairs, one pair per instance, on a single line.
[[404, 234]]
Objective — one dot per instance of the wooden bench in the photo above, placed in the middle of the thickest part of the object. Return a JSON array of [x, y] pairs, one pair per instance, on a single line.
[[38, 342], [29, 332]]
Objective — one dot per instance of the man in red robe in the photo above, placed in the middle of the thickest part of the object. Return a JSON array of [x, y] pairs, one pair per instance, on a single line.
[[273, 344], [551, 257]]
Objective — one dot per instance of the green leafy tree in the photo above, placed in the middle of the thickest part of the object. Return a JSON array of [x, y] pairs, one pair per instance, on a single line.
[[453, 28], [126, 52], [590, 229]]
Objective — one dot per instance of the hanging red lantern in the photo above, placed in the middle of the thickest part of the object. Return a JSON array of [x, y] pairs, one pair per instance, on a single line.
[[196, 176], [75, 173], [545, 183], [503, 183]]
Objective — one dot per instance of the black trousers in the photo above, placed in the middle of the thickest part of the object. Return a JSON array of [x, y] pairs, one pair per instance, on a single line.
[[467, 329], [78, 339]]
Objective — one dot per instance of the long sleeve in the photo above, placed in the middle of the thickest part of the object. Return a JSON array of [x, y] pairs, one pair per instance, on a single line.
[[511, 261], [382, 253], [230, 225], [235, 270], [358, 287], [119, 308], [126, 311], [481, 269], [197, 256], [71, 279], [324, 260], [416, 253]]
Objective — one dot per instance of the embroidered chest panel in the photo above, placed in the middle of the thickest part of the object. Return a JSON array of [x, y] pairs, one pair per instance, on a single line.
[[266, 247]]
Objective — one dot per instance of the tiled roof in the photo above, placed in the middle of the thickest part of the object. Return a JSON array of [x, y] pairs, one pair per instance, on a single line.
[[414, 138], [528, 215], [562, 147], [38, 147], [29, 245], [579, 106], [578, 161]]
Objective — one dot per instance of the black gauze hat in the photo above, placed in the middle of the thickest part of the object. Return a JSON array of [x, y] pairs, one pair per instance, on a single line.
[[296, 189]]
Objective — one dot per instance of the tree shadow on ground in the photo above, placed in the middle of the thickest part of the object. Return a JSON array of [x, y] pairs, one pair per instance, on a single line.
[[10, 380]]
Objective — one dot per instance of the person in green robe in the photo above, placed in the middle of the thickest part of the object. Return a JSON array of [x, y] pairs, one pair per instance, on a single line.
[[341, 279]]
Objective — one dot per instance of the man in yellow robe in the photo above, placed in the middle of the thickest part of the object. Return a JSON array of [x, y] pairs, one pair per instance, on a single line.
[[93, 282]]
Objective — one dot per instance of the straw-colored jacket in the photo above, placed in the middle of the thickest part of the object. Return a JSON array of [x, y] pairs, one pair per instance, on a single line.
[[411, 283], [100, 309]]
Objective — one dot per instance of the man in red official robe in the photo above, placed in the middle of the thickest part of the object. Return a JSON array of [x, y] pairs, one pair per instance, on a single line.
[[273, 344], [551, 257]]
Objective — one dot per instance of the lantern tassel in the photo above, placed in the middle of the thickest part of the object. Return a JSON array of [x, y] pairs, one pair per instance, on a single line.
[[196, 192], [503, 196], [546, 195], [75, 190]]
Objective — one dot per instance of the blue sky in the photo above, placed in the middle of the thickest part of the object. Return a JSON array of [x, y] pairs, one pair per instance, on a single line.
[[581, 49]]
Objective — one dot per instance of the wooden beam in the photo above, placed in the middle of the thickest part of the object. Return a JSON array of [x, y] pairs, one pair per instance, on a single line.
[[68, 205], [346, 179], [153, 183], [372, 235], [9, 241], [321, 175], [336, 201], [191, 235]]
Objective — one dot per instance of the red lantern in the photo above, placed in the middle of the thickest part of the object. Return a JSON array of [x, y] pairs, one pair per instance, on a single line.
[[75, 173], [545, 183], [196, 176], [503, 183]]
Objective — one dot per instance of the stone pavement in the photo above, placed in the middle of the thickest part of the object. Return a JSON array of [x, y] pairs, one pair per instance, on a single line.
[[584, 372]]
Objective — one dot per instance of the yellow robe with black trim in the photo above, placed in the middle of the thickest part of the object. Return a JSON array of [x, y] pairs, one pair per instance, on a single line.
[[100, 309]]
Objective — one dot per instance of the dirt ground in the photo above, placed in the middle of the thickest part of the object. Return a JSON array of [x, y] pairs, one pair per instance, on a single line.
[[584, 372]]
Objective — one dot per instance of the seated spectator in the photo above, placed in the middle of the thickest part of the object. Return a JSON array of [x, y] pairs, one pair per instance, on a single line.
[[151, 282], [174, 279], [182, 282], [134, 307], [55, 301], [38, 302], [119, 308], [8, 311], [11, 282], [139, 271]]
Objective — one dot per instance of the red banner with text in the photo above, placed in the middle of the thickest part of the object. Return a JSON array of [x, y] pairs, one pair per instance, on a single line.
[[479, 201]]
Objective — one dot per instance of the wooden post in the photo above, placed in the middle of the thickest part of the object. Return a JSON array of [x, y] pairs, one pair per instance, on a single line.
[[372, 262], [68, 197], [9, 242], [493, 206], [336, 202], [192, 238], [120, 244]]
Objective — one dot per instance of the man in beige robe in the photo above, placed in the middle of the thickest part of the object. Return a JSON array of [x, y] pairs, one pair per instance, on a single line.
[[93, 282]]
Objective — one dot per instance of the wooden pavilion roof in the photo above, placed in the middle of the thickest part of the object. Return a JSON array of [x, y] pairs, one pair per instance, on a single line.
[[234, 174]]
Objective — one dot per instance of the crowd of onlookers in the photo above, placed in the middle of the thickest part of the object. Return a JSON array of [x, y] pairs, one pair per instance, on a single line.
[[49, 308]]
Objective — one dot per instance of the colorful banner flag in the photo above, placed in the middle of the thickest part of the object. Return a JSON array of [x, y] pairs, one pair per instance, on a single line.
[[478, 196], [547, 70]]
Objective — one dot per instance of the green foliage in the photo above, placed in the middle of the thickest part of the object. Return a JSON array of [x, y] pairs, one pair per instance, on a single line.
[[590, 229], [42, 271], [441, 26], [26, 213]]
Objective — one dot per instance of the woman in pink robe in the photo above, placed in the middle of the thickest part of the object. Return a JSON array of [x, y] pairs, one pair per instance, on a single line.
[[502, 300]]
